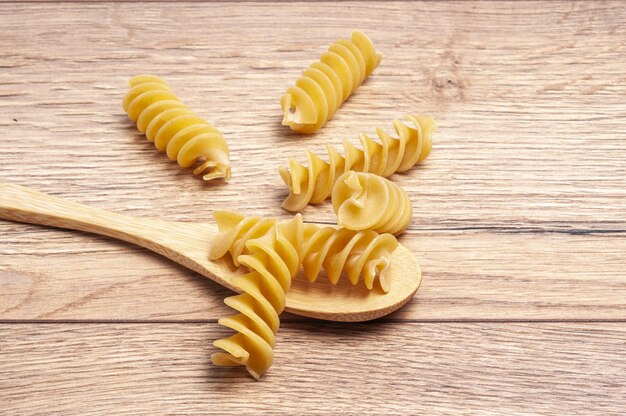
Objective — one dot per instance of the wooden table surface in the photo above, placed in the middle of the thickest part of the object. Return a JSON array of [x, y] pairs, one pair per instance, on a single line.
[[519, 213]]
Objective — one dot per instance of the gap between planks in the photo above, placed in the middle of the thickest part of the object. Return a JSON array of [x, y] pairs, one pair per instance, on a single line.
[[308, 321], [569, 228]]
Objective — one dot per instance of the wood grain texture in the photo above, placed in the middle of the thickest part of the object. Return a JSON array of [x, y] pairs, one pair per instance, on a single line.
[[373, 369], [547, 276], [526, 179], [519, 212]]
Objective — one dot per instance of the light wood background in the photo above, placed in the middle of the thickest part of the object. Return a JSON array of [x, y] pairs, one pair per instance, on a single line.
[[519, 213]]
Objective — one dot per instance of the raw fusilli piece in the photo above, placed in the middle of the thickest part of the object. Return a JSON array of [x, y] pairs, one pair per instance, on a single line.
[[273, 258], [175, 129], [326, 84], [365, 254], [314, 183], [364, 201]]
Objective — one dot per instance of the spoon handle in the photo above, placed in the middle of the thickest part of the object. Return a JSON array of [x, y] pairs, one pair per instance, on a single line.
[[21, 204]]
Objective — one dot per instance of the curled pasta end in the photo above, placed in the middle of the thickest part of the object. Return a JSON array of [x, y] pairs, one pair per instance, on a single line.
[[299, 111], [285, 175], [234, 359], [352, 181], [381, 269], [215, 170]]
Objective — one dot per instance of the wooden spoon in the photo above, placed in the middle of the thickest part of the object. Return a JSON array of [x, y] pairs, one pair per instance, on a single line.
[[188, 244]]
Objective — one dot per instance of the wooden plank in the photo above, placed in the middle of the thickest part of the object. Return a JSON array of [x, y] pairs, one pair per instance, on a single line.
[[320, 369], [520, 212], [530, 119], [466, 275]]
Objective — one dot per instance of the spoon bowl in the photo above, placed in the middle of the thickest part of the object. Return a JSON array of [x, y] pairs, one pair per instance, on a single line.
[[188, 244]]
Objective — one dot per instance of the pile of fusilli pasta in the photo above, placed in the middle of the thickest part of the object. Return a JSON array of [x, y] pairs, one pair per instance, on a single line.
[[370, 208]]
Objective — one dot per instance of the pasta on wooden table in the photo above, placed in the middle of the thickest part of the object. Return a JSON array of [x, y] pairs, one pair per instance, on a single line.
[[364, 201], [313, 183], [326, 84], [273, 252], [175, 129]]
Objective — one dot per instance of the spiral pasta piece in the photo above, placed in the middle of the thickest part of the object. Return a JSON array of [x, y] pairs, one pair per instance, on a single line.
[[326, 84], [358, 254], [313, 183], [175, 129], [364, 201], [365, 254], [273, 258]]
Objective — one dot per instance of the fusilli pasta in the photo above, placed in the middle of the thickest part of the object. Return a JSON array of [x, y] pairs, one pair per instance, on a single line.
[[314, 183], [364, 201], [272, 257], [326, 84], [273, 252], [175, 129]]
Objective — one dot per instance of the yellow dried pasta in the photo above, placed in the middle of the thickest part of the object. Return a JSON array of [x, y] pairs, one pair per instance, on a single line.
[[273, 251], [364, 201], [365, 254], [175, 129], [272, 257], [313, 183], [326, 84]]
